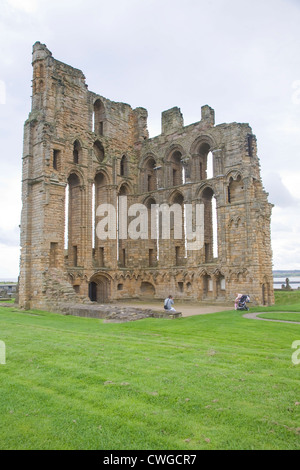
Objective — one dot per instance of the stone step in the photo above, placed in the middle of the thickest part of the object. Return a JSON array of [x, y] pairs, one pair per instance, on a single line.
[[165, 314]]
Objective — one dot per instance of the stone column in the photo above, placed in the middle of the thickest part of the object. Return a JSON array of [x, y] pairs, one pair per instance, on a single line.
[[159, 177], [186, 163], [217, 162]]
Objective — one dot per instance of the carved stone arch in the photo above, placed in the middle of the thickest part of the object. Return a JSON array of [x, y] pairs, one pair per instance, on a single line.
[[176, 147], [77, 150], [238, 221], [124, 161], [233, 175], [99, 115], [101, 99], [233, 276], [202, 139], [148, 156], [102, 171], [174, 165], [235, 187], [147, 289], [175, 196], [78, 173], [241, 275], [163, 277], [80, 140], [100, 287], [202, 272], [101, 273], [216, 272], [203, 165], [136, 275], [148, 200], [230, 223], [148, 173], [178, 272], [124, 188], [202, 187]]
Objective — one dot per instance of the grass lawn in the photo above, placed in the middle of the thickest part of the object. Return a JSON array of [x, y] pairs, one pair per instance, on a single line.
[[216, 381], [286, 301], [287, 316], [287, 307]]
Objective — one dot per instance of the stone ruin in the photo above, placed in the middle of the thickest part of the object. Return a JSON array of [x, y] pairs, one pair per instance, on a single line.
[[82, 150]]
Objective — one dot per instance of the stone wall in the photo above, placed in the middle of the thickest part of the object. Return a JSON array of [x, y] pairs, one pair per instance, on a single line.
[[82, 148]]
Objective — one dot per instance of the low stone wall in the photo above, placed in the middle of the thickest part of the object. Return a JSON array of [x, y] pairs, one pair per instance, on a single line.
[[113, 313]]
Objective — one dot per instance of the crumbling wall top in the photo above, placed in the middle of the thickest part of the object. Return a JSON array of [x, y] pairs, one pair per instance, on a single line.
[[171, 120], [40, 52]]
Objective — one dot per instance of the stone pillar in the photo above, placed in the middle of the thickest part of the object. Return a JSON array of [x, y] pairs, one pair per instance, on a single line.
[[186, 163]]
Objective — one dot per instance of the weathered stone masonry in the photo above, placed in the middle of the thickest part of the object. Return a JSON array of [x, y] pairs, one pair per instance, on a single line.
[[89, 150]]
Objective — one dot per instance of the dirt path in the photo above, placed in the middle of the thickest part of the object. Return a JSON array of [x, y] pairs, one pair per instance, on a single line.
[[187, 309], [254, 316]]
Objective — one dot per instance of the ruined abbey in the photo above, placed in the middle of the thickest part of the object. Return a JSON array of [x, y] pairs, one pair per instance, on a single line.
[[82, 151]]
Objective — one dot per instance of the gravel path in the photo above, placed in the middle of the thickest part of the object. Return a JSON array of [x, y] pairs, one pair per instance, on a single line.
[[255, 317], [187, 309]]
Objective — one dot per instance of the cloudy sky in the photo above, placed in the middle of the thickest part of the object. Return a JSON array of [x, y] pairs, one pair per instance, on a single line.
[[240, 57]]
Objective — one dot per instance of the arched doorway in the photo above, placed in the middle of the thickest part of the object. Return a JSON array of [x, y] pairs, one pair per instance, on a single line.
[[99, 289], [148, 290], [93, 291]]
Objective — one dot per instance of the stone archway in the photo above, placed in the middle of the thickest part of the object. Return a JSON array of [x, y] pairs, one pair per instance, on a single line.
[[99, 289], [147, 289]]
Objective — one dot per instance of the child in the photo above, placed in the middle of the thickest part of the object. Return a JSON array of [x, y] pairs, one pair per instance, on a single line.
[[236, 302]]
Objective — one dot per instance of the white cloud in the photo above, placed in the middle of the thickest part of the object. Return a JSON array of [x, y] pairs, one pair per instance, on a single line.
[[9, 261], [29, 6], [10, 197], [279, 193], [164, 53], [291, 180]]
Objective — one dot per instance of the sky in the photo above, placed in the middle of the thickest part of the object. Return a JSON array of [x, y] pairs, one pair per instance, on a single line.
[[240, 58]]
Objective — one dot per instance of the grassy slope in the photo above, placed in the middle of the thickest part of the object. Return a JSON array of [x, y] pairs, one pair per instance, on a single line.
[[214, 381], [287, 307]]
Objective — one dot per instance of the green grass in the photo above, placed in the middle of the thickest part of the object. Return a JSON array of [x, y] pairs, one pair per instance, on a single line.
[[287, 300], [286, 316], [287, 307], [216, 381], [284, 302]]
